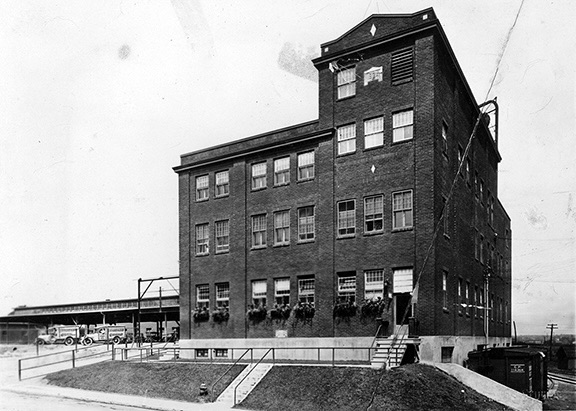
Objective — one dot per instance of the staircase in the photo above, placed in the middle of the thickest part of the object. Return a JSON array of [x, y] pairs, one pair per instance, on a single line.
[[255, 374], [390, 351]]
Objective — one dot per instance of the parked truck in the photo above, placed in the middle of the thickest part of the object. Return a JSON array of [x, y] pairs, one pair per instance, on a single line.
[[58, 334], [106, 334]]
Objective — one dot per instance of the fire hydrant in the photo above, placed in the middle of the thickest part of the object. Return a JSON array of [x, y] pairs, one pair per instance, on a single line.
[[203, 389]]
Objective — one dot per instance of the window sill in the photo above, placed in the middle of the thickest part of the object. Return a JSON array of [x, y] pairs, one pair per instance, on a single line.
[[373, 147], [222, 196], [259, 247], [202, 200], [394, 143], [345, 98], [346, 154], [222, 252], [307, 241], [372, 233], [258, 188], [400, 229], [281, 185], [305, 180], [281, 245], [202, 254], [345, 236]]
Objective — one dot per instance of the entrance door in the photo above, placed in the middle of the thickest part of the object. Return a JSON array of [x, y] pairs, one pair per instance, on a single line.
[[401, 301]]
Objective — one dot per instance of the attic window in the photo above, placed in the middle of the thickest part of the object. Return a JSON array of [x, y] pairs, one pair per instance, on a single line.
[[402, 66]]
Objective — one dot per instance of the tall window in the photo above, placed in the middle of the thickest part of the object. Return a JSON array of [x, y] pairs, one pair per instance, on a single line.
[[258, 176], [402, 125], [445, 139], [202, 237], [467, 297], [374, 132], [373, 214], [460, 301], [346, 218], [223, 295], [259, 293], [202, 296], [282, 227], [222, 184], [347, 139], [306, 166], [347, 288], [306, 223], [282, 291], [306, 288], [282, 171], [346, 82], [402, 209], [445, 218], [202, 188], [373, 284], [445, 290], [222, 236], [259, 230]]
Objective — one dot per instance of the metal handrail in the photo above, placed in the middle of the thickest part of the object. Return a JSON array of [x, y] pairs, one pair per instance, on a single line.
[[374, 341], [242, 380], [226, 372]]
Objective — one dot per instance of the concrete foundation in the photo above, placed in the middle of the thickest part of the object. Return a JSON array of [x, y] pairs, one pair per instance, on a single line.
[[431, 347]]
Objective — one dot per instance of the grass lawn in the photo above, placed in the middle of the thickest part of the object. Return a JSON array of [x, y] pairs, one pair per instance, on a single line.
[[175, 381], [411, 387]]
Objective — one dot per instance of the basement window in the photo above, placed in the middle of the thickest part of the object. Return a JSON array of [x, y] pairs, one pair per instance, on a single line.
[[201, 352], [221, 353]]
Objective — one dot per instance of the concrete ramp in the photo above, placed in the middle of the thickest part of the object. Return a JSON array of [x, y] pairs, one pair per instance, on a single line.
[[490, 388]]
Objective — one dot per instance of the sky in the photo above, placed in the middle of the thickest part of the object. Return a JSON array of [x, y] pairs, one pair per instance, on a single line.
[[98, 100]]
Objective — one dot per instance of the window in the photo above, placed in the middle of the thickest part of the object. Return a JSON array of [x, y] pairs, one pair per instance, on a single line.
[[491, 305], [445, 139], [282, 227], [202, 296], [374, 132], [445, 290], [402, 209], [202, 352], [306, 223], [202, 236], [402, 66], [221, 352], [282, 291], [446, 217], [373, 284], [402, 126], [222, 294], [460, 301], [259, 293], [258, 176], [347, 288], [202, 188], [306, 166], [403, 280], [222, 184], [347, 139], [282, 171], [373, 214], [467, 297], [346, 218], [306, 289], [222, 236], [346, 82], [259, 231]]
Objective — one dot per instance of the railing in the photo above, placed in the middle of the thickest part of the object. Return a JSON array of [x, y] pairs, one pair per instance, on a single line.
[[374, 340], [229, 368], [252, 369], [61, 357]]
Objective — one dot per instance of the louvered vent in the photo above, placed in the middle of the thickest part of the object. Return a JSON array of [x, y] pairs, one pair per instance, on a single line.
[[402, 66]]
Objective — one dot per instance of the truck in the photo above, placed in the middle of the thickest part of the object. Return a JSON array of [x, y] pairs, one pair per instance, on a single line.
[[58, 334], [106, 334]]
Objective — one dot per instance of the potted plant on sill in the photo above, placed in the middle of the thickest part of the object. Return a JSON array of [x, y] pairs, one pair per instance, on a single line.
[[256, 313], [345, 310], [280, 312], [200, 314], [304, 311], [220, 315]]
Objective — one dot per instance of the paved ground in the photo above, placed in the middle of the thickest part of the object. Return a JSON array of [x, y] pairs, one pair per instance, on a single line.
[[34, 394]]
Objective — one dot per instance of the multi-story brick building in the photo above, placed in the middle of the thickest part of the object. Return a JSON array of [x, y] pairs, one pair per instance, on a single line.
[[330, 224]]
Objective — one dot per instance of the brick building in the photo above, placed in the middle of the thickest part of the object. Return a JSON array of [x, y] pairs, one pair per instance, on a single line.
[[330, 224]]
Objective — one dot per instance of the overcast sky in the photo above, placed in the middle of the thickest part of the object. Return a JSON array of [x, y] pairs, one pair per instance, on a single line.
[[98, 100]]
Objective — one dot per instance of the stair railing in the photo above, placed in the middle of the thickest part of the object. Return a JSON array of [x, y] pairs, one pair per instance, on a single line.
[[226, 372], [253, 367], [374, 342]]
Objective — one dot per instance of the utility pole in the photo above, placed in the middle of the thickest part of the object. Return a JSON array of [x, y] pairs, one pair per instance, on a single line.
[[551, 327]]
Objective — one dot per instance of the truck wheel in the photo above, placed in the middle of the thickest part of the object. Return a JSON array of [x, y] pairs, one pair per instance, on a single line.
[[69, 341], [88, 341], [40, 341], [116, 340]]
